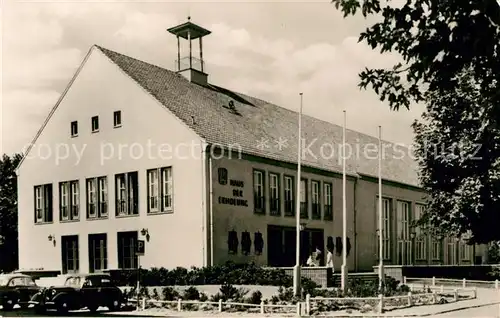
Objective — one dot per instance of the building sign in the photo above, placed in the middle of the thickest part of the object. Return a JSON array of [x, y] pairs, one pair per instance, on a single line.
[[222, 172], [237, 198], [140, 248]]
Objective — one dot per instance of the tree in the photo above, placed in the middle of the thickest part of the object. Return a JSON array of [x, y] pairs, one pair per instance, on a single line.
[[449, 61], [494, 253], [8, 213]]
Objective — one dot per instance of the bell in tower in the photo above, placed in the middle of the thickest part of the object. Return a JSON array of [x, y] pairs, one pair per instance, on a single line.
[[189, 66]]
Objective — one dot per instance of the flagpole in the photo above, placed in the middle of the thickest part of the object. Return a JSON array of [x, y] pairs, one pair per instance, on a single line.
[[344, 212], [380, 216], [296, 272]]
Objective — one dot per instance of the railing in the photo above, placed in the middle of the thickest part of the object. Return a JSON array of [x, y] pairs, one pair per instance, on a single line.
[[429, 295], [196, 64], [221, 305], [446, 281], [383, 303]]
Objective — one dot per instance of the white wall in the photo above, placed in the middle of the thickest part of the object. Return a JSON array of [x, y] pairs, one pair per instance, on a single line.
[[100, 89]]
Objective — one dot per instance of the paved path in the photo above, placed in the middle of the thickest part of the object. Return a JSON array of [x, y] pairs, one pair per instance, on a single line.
[[486, 311]]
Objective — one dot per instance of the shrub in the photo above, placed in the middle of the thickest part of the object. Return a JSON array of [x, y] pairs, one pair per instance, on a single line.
[[494, 273], [169, 293], [255, 297], [284, 295], [155, 294], [229, 292], [236, 274], [203, 297], [191, 294]]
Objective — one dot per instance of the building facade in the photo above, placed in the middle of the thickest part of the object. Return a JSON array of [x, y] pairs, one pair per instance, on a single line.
[[132, 151]]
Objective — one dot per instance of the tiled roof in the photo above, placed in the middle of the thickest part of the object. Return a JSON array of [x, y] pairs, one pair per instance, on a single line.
[[258, 120]]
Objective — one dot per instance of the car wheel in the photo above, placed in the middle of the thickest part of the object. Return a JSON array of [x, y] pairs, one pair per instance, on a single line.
[[40, 310], [114, 305], [92, 308], [62, 306], [7, 304], [24, 305]]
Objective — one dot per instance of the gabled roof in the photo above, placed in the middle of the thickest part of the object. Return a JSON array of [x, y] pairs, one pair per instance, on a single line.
[[204, 109]]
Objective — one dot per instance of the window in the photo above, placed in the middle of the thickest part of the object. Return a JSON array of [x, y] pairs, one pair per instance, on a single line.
[[95, 124], [153, 192], [127, 243], [465, 251], [43, 203], [97, 198], [64, 200], [436, 249], [304, 213], [127, 192], [289, 195], [69, 251], [74, 128], [98, 257], [69, 202], [258, 190], [75, 200], [117, 118], [316, 206], [403, 233], [166, 189], [386, 228], [420, 237], [274, 194], [328, 213], [160, 190]]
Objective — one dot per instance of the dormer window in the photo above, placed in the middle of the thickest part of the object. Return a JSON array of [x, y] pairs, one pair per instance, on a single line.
[[117, 119], [95, 124], [74, 128]]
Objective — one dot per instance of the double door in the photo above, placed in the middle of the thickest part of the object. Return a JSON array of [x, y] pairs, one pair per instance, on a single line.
[[282, 243]]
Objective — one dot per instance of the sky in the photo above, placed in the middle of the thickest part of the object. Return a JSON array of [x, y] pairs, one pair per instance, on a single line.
[[270, 50]]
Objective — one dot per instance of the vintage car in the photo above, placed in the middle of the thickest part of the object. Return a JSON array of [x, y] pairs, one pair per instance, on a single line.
[[79, 291], [16, 289]]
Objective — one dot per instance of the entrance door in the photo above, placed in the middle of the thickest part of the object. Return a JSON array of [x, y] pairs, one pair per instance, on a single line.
[[318, 242], [275, 253], [69, 253], [305, 246], [290, 246]]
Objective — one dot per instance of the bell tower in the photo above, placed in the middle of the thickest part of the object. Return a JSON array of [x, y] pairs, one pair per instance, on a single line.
[[189, 66]]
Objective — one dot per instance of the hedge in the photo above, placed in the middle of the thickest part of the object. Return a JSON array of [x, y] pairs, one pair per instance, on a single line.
[[230, 273]]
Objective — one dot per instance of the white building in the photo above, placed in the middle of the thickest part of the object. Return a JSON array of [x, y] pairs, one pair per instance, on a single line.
[[143, 160]]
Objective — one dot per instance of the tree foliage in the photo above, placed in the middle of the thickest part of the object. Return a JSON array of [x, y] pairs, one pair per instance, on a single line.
[[8, 213], [449, 61]]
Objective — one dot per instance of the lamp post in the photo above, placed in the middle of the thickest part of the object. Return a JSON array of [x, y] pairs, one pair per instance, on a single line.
[[296, 269], [140, 250], [343, 269]]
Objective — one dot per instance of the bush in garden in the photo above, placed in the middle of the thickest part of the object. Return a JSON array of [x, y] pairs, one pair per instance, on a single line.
[[203, 297], [284, 295], [236, 274], [155, 294], [191, 293], [255, 297], [169, 293]]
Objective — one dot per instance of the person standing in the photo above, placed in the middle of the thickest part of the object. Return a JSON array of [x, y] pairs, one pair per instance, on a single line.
[[329, 260]]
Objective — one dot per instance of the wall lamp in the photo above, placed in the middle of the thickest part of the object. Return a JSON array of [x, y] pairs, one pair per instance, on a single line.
[[145, 232], [413, 235], [52, 238], [303, 226]]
